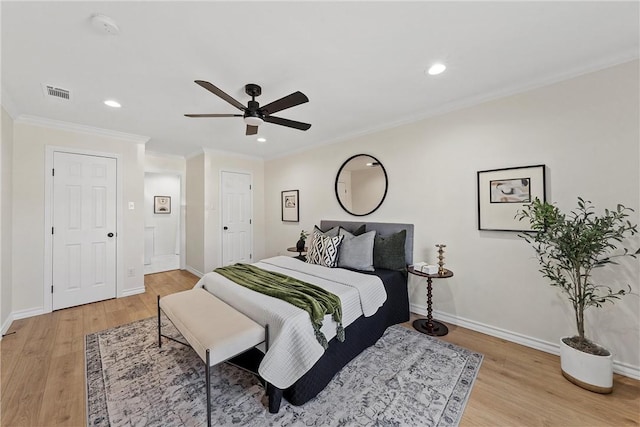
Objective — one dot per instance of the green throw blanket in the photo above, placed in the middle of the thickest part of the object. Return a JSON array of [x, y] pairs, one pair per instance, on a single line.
[[313, 299]]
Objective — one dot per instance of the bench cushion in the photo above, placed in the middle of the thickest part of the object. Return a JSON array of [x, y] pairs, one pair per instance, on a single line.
[[209, 323]]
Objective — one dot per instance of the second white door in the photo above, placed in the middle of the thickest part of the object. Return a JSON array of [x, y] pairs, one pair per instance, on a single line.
[[236, 217]]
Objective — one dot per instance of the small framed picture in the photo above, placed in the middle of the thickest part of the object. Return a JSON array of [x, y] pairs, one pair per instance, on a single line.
[[502, 192], [290, 206], [161, 205]]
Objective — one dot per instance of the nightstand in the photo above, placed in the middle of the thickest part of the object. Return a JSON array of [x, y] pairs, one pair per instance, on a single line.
[[300, 256], [430, 326]]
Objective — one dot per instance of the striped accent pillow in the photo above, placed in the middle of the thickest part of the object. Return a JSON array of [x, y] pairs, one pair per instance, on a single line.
[[324, 250]]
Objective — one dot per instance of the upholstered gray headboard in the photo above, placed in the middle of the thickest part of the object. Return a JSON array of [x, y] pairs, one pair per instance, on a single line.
[[382, 229]]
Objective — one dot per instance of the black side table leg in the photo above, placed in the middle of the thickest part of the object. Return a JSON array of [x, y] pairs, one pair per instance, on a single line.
[[429, 326]]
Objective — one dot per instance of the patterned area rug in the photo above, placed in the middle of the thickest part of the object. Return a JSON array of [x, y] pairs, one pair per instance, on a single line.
[[406, 379]]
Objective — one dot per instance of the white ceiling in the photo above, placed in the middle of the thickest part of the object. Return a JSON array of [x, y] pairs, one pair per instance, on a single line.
[[362, 64]]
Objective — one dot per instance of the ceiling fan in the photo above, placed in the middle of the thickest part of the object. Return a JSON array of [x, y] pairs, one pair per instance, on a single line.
[[254, 115]]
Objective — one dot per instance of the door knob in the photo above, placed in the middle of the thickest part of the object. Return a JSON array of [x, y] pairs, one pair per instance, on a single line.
[[225, 228], [109, 234]]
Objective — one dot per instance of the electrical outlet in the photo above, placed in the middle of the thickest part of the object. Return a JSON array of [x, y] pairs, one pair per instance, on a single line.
[[131, 272]]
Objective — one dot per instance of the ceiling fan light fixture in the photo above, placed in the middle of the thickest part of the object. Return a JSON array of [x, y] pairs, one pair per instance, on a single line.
[[253, 120]]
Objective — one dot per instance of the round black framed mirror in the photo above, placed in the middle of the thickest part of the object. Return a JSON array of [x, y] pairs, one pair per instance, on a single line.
[[361, 184]]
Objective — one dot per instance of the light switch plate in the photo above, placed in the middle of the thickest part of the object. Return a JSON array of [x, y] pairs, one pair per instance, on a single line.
[[132, 205]]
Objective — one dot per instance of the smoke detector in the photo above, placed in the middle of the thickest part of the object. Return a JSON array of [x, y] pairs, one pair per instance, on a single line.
[[104, 24]]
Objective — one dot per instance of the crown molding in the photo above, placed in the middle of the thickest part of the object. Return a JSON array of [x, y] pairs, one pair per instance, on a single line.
[[230, 154], [193, 154], [204, 150], [161, 154], [473, 101], [9, 106], [74, 127]]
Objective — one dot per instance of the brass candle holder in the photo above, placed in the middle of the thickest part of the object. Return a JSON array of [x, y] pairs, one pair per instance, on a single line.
[[441, 269]]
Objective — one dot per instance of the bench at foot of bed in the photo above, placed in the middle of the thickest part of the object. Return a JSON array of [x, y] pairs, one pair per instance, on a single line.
[[215, 330]]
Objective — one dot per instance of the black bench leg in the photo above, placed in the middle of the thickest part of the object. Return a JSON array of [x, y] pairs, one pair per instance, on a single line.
[[159, 325], [207, 370]]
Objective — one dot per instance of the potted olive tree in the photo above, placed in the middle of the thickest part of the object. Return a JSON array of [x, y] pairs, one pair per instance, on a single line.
[[569, 247]]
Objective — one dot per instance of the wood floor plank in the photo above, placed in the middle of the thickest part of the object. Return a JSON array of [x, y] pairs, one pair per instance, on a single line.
[[65, 383], [43, 383], [95, 317], [11, 349]]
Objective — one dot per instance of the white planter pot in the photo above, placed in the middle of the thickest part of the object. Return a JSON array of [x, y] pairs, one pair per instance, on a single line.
[[591, 372]]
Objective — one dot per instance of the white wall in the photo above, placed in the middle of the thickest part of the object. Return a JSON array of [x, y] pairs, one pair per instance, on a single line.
[[30, 141], [162, 163], [586, 130], [6, 158], [195, 214]]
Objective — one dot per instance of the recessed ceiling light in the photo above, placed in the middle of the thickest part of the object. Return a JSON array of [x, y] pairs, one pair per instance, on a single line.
[[112, 103], [436, 69], [261, 139]]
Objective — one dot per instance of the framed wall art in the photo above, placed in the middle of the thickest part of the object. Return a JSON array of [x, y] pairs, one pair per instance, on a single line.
[[502, 192], [161, 205], [290, 206]]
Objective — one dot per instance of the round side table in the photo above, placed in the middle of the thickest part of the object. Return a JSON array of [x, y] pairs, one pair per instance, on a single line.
[[300, 256], [430, 326]]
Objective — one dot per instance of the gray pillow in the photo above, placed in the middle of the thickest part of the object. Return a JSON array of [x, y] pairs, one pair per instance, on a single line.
[[357, 251], [332, 232]]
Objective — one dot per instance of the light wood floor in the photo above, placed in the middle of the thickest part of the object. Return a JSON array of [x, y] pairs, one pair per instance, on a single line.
[[43, 382]]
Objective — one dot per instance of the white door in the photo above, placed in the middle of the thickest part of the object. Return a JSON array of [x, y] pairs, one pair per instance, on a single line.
[[84, 229], [236, 217]]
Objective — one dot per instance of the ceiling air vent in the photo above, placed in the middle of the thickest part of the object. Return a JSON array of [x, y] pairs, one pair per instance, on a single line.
[[56, 92]]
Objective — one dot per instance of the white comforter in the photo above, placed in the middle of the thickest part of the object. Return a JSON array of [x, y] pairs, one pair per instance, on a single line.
[[293, 348]]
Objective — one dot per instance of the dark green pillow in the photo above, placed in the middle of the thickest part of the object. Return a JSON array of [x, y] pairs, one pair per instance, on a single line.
[[388, 251], [360, 230]]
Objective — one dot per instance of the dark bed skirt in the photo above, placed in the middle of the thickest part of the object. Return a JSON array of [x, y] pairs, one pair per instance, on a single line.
[[361, 334]]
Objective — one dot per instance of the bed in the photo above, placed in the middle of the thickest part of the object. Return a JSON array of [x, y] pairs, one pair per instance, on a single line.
[[309, 366]]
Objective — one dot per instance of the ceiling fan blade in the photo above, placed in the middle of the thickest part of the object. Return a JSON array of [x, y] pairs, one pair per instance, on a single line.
[[286, 122], [213, 115], [288, 101], [216, 91], [252, 130]]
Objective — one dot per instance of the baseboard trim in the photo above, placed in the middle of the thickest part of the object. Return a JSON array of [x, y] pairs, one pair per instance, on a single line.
[[29, 312], [621, 368], [6, 325], [133, 291], [193, 271]]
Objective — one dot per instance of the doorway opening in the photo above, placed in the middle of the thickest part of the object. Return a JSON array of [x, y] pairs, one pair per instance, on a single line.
[[163, 222]]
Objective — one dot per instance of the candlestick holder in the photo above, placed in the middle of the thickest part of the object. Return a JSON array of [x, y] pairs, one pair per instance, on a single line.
[[441, 269]]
